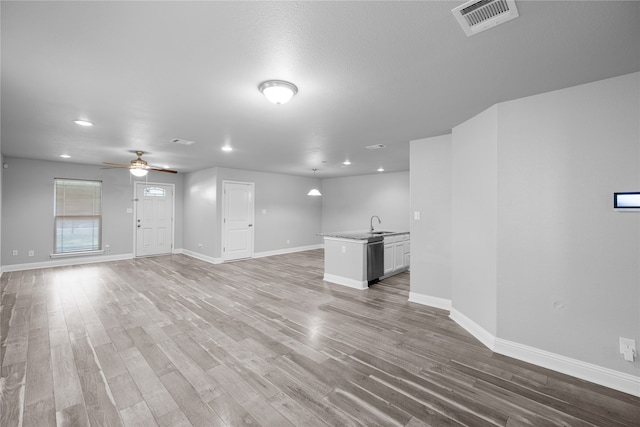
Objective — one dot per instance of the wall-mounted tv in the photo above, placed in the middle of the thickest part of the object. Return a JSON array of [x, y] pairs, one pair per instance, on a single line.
[[626, 200]]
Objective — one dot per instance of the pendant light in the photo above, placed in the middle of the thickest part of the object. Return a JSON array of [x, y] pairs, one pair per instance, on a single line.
[[314, 191]]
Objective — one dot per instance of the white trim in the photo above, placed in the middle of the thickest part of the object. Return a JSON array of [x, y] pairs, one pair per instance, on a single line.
[[287, 251], [576, 368], [473, 328], [201, 257], [616, 380], [76, 254], [344, 281], [442, 303], [66, 262]]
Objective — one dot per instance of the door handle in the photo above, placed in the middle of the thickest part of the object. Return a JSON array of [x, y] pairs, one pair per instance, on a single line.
[[250, 225], [139, 225]]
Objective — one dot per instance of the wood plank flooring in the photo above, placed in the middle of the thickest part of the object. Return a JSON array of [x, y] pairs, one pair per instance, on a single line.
[[173, 341]]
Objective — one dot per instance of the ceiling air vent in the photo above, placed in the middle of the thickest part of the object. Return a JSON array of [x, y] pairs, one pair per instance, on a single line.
[[375, 147], [478, 15]]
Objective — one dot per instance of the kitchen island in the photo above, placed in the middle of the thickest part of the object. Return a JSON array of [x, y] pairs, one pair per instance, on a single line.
[[359, 258]]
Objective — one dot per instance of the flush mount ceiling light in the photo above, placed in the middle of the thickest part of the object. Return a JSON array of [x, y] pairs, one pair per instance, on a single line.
[[83, 123], [314, 191], [65, 156], [278, 91]]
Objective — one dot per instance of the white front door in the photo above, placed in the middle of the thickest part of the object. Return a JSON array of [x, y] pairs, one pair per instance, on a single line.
[[154, 219], [237, 221]]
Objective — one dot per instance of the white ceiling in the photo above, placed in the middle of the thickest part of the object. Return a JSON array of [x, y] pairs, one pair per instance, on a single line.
[[367, 72]]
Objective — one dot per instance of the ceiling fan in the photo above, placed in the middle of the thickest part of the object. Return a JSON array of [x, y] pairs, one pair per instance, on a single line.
[[138, 167]]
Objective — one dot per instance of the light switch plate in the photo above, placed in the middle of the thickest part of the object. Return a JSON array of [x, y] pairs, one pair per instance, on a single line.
[[627, 343]]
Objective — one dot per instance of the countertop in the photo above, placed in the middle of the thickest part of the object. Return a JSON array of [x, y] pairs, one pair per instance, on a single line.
[[363, 235]]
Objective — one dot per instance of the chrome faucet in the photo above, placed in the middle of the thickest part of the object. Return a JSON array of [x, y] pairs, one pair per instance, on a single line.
[[371, 223]]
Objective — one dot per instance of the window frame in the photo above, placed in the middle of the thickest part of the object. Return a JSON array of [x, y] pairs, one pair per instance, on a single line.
[[96, 249]]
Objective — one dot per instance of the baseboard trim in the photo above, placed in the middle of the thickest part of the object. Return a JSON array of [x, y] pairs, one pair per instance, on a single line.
[[473, 328], [576, 368], [441, 303], [64, 262], [201, 257], [287, 251], [344, 281], [606, 377]]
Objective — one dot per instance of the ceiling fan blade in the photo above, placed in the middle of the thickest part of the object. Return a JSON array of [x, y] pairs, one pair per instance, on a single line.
[[118, 165], [151, 168]]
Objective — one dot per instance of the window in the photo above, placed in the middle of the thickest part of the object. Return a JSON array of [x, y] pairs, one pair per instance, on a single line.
[[154, 192], [78, 216]]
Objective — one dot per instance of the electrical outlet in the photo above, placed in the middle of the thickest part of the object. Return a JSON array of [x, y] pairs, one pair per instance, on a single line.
[[15, 252], [107, 247], [288, 241], [31, 252]]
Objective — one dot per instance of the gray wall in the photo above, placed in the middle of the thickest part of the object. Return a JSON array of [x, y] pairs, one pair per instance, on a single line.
[[348, 203], [568, 262], [474, 227], [559, 269], [200, 213], [27, 208], [431, 234], [289, 213]]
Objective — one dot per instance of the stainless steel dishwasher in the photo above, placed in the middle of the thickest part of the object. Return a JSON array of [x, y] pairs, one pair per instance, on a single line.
[[375, 259]]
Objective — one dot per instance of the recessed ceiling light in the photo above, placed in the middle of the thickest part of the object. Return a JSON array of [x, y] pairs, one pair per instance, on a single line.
[[83, 122], [346, 163], [65, 156], [227, 148], [380, 169]]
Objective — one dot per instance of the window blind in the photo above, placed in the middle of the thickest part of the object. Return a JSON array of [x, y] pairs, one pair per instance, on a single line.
[[77, 215]]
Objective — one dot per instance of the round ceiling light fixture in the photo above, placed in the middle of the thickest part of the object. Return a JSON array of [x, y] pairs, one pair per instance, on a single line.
[[139, 172], [278, 91], [81, 122]]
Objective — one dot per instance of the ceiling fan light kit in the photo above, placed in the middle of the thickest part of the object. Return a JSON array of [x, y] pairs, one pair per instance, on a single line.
[[139, 172], [138, 167], [278, 91]]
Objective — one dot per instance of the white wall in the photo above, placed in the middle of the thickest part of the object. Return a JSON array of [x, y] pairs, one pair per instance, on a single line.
[[474, 218], [569, 270], [348, 203], [27, 208], [289, 213], [430, 179]]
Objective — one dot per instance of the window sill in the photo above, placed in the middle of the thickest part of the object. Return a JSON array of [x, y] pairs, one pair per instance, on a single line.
[[77, 254]]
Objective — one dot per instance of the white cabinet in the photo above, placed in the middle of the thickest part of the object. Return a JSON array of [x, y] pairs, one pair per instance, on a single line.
[[389, 253], [396, 254]]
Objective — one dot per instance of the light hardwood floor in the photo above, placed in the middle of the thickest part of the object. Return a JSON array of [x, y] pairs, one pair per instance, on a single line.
[[174, 341]]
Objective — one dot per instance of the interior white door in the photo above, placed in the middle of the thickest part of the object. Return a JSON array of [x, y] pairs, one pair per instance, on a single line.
[[154, 219], [237, 222]]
